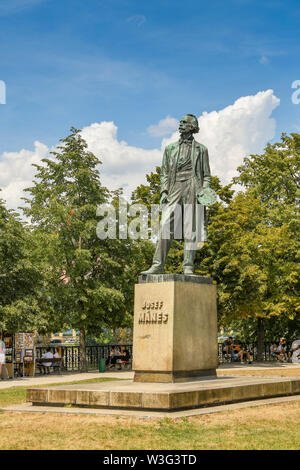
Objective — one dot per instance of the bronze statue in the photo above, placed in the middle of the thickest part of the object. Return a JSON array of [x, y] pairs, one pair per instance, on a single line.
[[185, 182]]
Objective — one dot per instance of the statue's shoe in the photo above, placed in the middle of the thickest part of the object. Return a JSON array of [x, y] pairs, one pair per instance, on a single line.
[[153, 270], [188, 271]]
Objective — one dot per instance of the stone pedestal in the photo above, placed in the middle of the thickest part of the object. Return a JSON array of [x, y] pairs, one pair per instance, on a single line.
[[175, 328], [175, 340]]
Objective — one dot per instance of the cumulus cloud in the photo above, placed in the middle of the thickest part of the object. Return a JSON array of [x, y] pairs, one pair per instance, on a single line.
[[17, 172], [123, 165], [165, 127], [236, 131], [230, 134]]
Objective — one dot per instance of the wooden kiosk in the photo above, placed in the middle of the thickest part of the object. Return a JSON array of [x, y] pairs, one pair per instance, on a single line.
[[19, 355]]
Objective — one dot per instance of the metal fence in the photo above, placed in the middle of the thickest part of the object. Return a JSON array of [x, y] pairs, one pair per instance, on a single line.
[[71, 354], [252, 348]]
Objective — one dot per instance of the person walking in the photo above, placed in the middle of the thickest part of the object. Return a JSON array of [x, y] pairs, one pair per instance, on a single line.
[[2, 355]]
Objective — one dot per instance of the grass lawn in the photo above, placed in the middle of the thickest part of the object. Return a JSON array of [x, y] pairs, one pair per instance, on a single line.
[[261, 428], [267, 427]]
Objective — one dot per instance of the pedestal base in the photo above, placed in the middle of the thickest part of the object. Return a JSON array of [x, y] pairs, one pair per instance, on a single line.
[[162, 396], [175, 328], [172, 377]]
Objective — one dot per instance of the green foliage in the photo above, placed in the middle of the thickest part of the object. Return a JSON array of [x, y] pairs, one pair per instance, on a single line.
[[275, 328], [254, 248], [257, 265], [148, 194], [21, 287], [89, 281], [56, 273], [274, 176]]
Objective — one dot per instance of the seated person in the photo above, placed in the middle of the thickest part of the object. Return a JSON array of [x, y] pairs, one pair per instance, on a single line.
[[113, 356], [288, 353], [57, 356], [274, 351], [227, 346], [123, 357], [244, 354], [109, 357], [118, 357], [125, 354], [296, 354], [284, 351], [240, 353], [236, 349], [46, 365]]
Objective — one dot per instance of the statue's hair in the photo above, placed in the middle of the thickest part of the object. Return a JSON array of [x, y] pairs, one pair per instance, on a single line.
[[196, 124]]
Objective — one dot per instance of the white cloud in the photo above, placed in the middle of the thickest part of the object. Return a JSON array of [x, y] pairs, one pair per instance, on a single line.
[[123, 165], [230, 134], [264, 59], [236, 131], [17, 172], [165, 127]]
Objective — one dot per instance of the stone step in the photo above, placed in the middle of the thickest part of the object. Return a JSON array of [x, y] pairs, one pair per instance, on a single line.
[[161, 396]]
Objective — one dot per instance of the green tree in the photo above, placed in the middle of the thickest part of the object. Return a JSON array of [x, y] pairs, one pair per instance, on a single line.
[[21, 282], [274, 176], [89, 281], [253, 250], [148, 194]]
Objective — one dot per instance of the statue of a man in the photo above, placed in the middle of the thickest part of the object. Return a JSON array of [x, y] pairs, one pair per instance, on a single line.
[[184, 177]]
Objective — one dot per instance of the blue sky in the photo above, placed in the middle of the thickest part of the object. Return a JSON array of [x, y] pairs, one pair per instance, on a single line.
[[74, 62]]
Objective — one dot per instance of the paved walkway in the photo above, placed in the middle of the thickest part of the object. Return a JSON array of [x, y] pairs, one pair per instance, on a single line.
[[259, 366], [28, 408], [224, 369], [58, 379]]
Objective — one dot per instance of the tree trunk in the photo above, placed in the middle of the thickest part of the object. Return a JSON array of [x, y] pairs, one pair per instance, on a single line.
[[260, 339], [83, 359]]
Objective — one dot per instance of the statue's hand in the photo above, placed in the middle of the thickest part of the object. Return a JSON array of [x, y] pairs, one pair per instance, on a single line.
[[163, 199], [207, 196]]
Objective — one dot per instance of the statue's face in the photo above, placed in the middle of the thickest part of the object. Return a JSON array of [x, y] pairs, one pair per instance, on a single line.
[[186, 125]]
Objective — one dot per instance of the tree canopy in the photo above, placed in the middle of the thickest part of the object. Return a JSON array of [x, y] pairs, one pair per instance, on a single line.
[[56, 273], [254, 247], [21, 284], [89, 281]]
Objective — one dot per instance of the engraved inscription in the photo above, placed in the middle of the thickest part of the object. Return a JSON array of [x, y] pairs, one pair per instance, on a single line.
[[153, 313], [153, 305]]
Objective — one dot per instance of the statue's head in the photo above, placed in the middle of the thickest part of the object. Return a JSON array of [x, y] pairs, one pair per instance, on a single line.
[[188, 123]]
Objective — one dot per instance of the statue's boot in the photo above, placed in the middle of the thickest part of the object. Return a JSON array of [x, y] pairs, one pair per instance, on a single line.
[[189, 259], [160, 255], [154, 270], [188, 270]]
